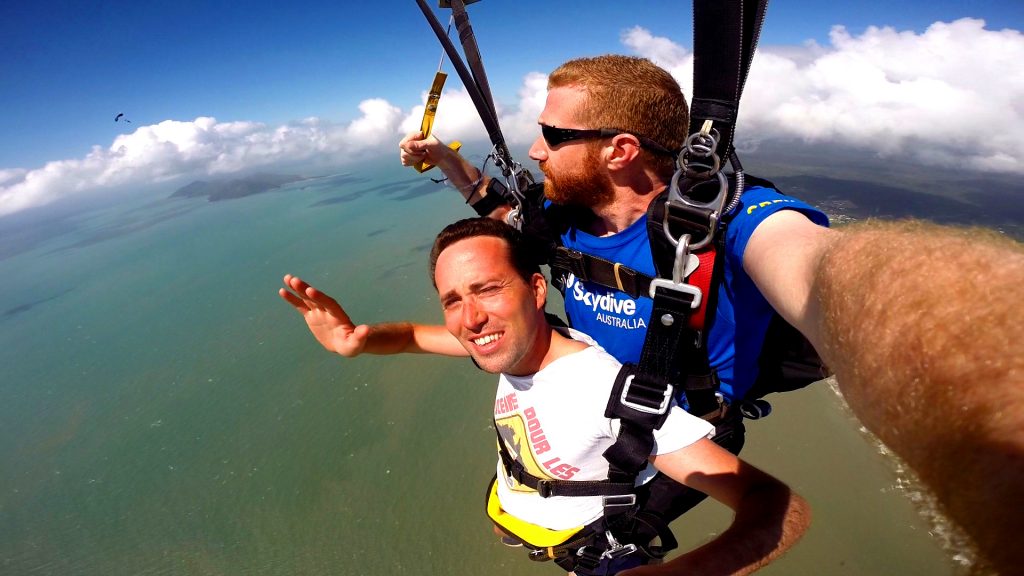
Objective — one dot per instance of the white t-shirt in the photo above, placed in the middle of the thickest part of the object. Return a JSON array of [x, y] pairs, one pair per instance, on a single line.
[[553, 423]]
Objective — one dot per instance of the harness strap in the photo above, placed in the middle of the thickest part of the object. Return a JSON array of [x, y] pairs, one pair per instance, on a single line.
[[589, 268], [725, 34], [591, 545], [617, 276], [547, 487]]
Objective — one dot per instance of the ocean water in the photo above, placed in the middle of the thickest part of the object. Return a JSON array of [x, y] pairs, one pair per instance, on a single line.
[[163, 412]]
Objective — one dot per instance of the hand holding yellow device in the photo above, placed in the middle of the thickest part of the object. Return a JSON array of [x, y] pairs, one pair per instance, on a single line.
[[428, 117]]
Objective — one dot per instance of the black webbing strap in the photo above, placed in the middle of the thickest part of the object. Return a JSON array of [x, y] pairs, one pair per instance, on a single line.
[[590, 268], [472, 52], [689, 362], [643, 393], [725, 34], [547, 487]]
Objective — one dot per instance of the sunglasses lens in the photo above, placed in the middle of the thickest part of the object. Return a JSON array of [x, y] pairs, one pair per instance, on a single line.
[[553, 136]]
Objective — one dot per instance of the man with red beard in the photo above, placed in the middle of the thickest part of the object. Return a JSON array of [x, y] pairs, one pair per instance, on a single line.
[[609, 129], [550, 416], [934, 372]]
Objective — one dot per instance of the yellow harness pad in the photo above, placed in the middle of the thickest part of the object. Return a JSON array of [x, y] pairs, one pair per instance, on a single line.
[[531, 534]]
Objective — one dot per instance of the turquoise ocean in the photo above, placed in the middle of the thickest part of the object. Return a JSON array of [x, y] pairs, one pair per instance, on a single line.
[[163, 412]]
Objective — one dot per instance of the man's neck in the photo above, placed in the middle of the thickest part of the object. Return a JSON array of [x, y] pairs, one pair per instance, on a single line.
[[558, 346], [622, 211]]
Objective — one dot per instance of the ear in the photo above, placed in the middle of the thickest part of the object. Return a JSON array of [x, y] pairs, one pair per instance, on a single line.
[[539, 285], [624, 149]]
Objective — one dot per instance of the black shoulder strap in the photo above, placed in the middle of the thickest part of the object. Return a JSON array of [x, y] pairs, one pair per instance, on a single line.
[[725, 34]]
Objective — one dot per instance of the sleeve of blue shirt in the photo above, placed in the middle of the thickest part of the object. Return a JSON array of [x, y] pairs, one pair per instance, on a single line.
[[755, 206], [743, 314]]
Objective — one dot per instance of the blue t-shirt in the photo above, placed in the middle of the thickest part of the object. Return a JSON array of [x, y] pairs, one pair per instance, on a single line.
[[619, 323]]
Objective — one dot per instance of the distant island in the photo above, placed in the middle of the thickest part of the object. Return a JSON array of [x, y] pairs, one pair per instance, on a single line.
[[237, 188]]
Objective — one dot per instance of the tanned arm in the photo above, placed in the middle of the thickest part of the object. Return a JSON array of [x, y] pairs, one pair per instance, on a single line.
[[462, 175], [923, 328], [769, 517], [336, 332]]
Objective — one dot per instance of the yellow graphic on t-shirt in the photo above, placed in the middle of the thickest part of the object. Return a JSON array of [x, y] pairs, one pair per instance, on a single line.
[[527, 444]]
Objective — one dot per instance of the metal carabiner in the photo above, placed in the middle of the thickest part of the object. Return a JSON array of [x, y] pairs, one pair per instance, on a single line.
[[615, 549], [715, 206], [685, 263]]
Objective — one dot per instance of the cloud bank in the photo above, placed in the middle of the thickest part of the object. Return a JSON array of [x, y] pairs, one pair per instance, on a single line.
[[951, 96]]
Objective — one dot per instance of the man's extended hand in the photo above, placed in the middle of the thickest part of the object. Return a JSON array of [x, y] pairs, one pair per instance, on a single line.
[[414, 148], [326, 318]]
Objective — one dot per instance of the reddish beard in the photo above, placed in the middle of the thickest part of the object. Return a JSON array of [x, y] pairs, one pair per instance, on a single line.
[[583, 185]]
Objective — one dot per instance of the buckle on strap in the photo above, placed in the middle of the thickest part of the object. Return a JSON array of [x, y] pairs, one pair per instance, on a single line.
[[544, 488], [684, 288], [681, 268], [627, 386], [573, 261], [620, 501]]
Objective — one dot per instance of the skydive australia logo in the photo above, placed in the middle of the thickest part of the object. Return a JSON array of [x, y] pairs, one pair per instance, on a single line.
[[609, 309]]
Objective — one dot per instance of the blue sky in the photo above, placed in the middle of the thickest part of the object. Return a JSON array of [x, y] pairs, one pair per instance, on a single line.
[[70, 67]]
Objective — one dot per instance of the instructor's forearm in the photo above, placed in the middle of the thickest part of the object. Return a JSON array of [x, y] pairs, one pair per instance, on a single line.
[[470, 182], [923, 328], [768, 522]]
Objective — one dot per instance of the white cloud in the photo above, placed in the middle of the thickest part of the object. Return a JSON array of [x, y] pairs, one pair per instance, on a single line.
[[951, 95], [663, 52], [203, 146]]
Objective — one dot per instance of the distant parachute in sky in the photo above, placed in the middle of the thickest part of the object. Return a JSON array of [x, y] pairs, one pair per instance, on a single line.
[[120, 116]]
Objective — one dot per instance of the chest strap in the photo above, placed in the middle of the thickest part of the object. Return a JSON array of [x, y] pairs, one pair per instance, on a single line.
[[636, 284], [547, 487]]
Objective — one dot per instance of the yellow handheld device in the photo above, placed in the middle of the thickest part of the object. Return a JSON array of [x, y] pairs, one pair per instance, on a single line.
[[428, 117]]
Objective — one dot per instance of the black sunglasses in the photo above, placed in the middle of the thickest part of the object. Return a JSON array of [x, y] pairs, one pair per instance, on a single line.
[[558, 136]]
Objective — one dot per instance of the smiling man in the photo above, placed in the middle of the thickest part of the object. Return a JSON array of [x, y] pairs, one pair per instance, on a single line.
[[553, 388]]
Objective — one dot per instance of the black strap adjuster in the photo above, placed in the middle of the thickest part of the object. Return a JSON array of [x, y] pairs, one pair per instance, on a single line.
[[572, 261], [645, 398], [544, 488]]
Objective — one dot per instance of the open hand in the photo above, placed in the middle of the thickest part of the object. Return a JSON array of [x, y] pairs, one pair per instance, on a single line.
[[325, 318]]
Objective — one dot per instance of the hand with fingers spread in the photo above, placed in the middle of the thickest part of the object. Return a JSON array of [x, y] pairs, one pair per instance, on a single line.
[[326, 319]]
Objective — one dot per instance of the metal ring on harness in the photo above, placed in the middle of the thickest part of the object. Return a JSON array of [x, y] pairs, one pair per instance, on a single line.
[[702, 144], [715, 205], [691, 168], [682, 254]]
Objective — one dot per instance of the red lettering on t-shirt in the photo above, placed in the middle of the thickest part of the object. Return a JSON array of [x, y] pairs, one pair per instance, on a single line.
[[563, 470], [540, 445], [505, 404]]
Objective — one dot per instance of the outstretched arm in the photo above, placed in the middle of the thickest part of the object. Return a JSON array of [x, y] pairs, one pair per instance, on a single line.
[[335, 331], [922, 325], [770, 518], [462, 175]]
